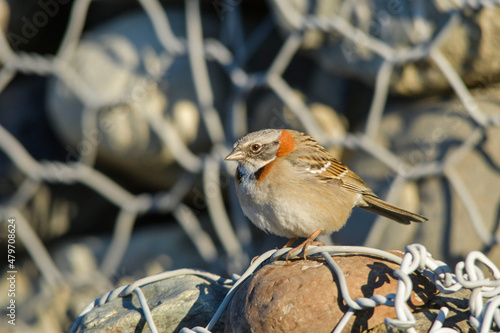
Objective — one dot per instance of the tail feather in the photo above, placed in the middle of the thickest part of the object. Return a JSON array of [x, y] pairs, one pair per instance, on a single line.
[[378, 206]]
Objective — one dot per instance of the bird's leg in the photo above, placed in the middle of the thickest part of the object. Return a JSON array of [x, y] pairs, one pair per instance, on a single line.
[[305, 244], [290, 242]]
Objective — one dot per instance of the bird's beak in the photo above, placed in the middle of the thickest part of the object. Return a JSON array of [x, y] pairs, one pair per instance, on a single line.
[[235, 155]]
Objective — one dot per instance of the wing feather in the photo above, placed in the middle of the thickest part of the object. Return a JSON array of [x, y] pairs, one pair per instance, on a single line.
[[316, 161]]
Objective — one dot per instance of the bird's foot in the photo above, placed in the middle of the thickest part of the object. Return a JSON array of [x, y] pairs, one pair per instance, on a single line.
[[303, 247]]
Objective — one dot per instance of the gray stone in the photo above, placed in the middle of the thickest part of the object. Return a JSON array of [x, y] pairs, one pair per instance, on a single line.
[[471, 47], [183, 301], [52, 210], [151, 250], [129, 76], [421, 133], [457, 318]]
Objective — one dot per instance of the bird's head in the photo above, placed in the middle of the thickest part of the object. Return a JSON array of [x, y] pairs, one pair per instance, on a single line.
[[257, 149]]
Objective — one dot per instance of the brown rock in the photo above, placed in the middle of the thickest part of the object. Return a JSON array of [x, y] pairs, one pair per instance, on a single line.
[[304, 296]]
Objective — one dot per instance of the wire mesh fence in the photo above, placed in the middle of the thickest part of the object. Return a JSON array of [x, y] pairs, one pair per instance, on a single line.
[[102, 97]]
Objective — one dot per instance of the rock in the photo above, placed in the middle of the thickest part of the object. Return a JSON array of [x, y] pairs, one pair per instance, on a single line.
[[52, 211], [132, 78], [25, 118], [182, 301], [422, 133], [471, 46], [23, 288], [302, 296], [43, 311], [151, 250], [457, 318], [458, 304], [4, 15]]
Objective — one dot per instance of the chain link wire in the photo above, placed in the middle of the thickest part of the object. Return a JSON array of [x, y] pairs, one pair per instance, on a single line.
[[222, 132]]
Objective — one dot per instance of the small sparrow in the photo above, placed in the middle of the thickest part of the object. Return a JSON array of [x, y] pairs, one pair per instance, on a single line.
[[290, 186]]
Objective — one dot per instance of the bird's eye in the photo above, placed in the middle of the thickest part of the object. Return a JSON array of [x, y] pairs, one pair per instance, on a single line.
[[255, 147]]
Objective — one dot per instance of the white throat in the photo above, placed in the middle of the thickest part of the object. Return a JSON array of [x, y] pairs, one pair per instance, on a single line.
[[249, 169]]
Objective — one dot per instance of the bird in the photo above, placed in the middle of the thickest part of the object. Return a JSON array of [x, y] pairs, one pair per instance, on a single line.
[[289, 185]]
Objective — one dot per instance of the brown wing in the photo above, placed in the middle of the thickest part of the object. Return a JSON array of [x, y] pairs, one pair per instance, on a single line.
[[336, 171], [313, 159]]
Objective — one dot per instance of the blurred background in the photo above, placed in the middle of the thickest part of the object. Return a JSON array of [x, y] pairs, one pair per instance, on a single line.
[[115, 117]]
